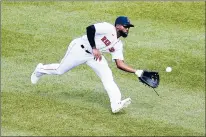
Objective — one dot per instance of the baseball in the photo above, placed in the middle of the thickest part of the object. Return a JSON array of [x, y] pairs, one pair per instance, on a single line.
[[168, 69]]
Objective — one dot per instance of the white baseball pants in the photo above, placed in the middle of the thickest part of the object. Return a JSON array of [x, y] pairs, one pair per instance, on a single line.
[[75, 56]]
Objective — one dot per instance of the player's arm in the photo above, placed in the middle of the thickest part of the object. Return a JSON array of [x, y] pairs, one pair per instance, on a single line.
[[122, 66], [91, 38], [90, 35]]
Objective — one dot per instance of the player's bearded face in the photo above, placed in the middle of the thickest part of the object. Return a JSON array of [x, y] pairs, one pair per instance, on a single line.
[[124, 31], [123, 34]]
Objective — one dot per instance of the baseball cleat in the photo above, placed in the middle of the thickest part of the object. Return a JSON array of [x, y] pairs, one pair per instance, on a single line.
[[35, 77], [122, 104]]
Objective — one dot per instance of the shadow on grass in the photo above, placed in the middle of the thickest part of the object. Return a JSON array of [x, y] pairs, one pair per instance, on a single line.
[[86, 96]]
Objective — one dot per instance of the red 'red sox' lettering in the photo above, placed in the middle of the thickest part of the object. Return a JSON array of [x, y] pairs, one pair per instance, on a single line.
[[106, 41]]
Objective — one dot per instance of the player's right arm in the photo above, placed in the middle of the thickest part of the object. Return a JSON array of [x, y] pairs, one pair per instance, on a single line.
[[91, 30], [118, 57], [121, 65]]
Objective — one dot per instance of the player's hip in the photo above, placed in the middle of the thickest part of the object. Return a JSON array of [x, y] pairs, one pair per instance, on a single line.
[[77, 49]]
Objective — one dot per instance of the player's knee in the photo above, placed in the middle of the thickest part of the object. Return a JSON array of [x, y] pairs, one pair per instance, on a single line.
[[107, 80]]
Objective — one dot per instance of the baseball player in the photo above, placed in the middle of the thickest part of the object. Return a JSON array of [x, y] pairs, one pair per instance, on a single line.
[[100, 38]]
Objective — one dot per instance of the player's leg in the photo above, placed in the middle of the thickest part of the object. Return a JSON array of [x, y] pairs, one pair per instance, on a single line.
[[73, 57], [104, 72]]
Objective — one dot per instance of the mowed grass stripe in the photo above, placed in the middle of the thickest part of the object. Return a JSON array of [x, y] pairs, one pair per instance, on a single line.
[[12, 132], [54, 118]]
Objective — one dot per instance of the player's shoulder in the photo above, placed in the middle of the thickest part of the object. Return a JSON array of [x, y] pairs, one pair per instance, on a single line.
[[104, 24], [109, 24]]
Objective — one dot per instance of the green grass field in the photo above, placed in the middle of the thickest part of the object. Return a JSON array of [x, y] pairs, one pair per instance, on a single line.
[[165, 34]]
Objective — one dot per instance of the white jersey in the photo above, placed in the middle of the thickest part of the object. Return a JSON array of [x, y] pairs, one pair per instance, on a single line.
[[106, 40]]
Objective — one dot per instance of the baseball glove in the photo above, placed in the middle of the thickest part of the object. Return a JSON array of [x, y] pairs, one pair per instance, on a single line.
[[150, 78]]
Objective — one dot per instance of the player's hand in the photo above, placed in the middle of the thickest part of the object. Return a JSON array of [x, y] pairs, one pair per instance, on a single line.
[[97, 54]]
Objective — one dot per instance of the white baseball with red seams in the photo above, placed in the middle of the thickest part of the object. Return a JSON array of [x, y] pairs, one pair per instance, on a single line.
[[106, 41]]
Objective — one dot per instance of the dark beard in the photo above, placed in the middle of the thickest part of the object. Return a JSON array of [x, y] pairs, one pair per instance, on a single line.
[[123, 34]]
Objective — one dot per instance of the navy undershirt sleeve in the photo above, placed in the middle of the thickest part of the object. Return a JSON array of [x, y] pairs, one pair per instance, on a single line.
[[90, 35]]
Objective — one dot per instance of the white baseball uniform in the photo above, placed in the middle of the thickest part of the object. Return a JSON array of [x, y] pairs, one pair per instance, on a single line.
[[106, 41]]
